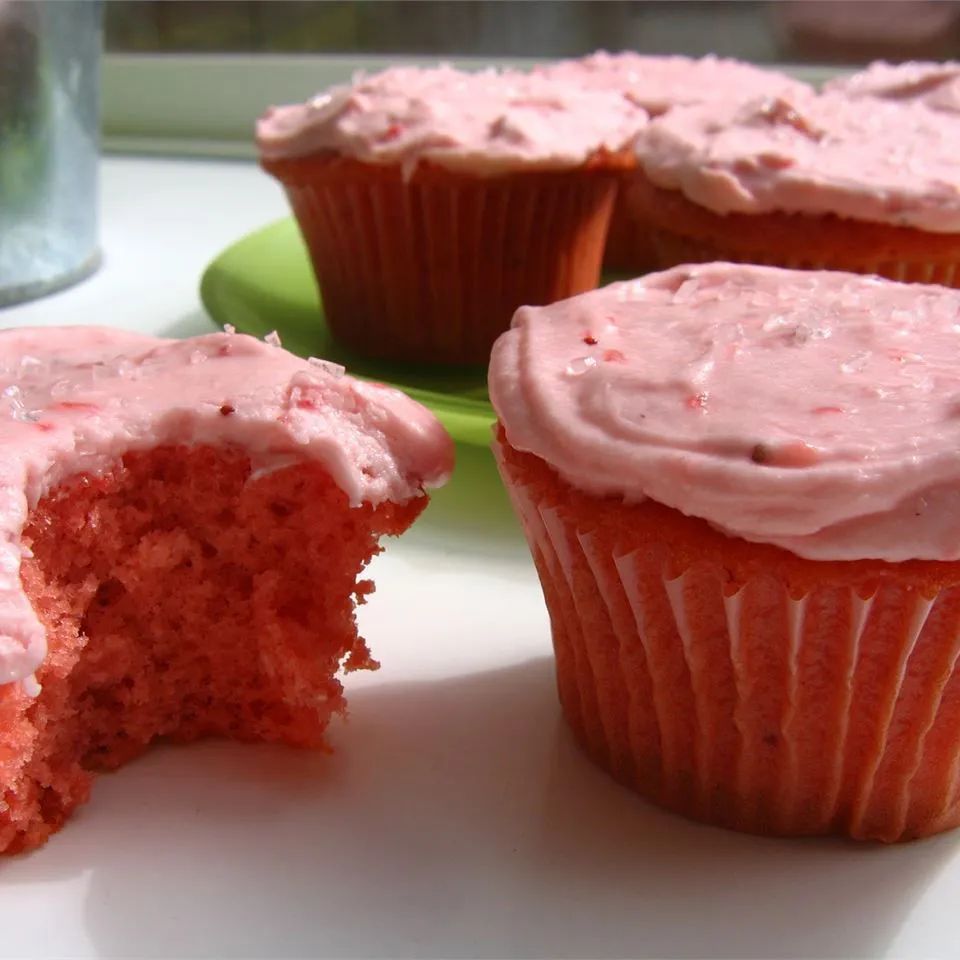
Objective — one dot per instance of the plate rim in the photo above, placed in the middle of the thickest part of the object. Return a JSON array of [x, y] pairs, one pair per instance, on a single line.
[[467, 420]]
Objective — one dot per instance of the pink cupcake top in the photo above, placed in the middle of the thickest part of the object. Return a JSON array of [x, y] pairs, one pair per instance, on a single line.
[[812, 410], [865, 159], [660, 83], [484, 123], [75, 399], [936, 85]]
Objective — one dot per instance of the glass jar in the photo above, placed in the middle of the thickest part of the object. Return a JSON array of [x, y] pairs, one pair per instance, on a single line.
[[49, 144]]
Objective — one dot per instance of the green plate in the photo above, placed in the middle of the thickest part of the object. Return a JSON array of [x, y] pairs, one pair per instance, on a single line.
[[265, 282]]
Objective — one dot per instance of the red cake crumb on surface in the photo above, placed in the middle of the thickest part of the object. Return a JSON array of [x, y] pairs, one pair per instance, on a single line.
[[183, 597]]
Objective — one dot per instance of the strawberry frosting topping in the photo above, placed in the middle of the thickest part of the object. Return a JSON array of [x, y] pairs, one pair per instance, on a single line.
[[817, 411], [861, 158], [660, 83], [936, 85], [487, 122], [73, 400]]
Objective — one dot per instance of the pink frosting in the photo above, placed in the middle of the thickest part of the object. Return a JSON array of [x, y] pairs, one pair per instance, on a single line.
[[816, 411], [936, 85], [485, 123], [864, 159], [660, 83], [75, 399]]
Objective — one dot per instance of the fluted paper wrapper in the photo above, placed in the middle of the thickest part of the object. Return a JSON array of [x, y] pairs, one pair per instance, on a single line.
[[671, 249], [745, 706], [630, 246], [431, 269]]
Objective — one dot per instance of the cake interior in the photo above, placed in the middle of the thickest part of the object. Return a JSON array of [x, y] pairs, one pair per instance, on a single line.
[[184, 596]]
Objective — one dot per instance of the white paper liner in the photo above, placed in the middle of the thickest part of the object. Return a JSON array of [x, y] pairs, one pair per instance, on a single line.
[[914, 627], [606, 625]]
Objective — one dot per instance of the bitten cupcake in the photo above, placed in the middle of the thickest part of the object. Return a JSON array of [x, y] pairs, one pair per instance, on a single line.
[[183, 530], [741, 488], [827, 181], [435, 202], [659, 84]]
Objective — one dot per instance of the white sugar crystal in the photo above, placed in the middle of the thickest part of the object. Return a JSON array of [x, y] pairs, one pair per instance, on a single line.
[[328, 367], [15, 406], [856, 363], [581, 365], [776, 322], [630, 290]]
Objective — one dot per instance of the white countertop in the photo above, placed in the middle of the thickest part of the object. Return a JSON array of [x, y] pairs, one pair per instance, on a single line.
[[456, 818]]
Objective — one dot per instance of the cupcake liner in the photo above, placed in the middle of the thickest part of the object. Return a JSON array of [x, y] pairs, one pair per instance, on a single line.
[[670, 249], [630, 247], [743, 704], [681, 231], [433, 268]]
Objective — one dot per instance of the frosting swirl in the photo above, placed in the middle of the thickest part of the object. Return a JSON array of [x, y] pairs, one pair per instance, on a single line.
[[486, 122], [816, 411], [865, 159], [660, 83], [936, 85]]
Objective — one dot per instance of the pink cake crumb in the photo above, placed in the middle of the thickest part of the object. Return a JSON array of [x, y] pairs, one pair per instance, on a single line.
[[183, 596]]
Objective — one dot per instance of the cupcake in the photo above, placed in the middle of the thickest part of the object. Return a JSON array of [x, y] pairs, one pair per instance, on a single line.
[[183, 528], [936, 85], [741, 488], [829, 181], [659, 84], [850, 31], [435, 202]]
